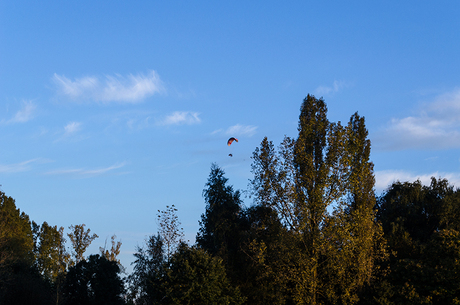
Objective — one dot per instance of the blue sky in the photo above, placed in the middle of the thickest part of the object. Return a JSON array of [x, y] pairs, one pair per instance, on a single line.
[[111, 110]]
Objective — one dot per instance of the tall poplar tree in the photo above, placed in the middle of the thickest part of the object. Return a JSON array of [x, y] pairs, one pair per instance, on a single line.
[[321, 185], [51, 255], [318, 153]]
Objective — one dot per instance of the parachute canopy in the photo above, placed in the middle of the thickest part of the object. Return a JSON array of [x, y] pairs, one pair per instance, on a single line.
[[230, 141]]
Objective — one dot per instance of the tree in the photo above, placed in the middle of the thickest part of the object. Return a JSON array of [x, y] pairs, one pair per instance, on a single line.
[[266, 249], [325, 169], [51, 256], [145, 281], [194, 277], [273, 183], [25, 285], [95, 281], [420, 224], [20, 281], [80, 240], [169, 229], [114, 251], [222, 224], [16, 235], [358, 244]]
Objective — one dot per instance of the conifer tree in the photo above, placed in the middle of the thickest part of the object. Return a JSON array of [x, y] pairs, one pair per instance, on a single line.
[[221, 225]]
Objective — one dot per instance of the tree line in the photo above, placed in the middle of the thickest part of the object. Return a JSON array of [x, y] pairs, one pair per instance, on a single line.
[[316, 233]]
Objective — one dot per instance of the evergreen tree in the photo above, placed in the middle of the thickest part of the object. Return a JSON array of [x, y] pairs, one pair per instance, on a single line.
[[221, 225]]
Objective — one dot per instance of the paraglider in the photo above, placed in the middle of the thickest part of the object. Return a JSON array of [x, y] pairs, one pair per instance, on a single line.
[[230, 141]]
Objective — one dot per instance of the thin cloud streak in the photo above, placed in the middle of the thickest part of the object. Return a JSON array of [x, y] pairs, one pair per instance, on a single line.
[[18, 167], [118, 88], [86, 172]]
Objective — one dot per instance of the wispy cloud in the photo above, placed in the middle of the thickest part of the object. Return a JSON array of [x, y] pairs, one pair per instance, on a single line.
[[326, 90], [241, 130], [81, 172], [71, 128], [436, 125], [180, 118], [18, 167], [25, 114], [70, 131], [118, 88], [383, 179]]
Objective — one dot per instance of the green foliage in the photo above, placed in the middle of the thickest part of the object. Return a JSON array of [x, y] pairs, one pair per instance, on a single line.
[[146, 279], [95, 281], [24, 285], [267, 252], [16, 238], [421, 226], [80, 240], [316, 234], [169, 229], [114, 251], [51, 256], [221, 226], [331, 255], [190, 276], [194, 277]]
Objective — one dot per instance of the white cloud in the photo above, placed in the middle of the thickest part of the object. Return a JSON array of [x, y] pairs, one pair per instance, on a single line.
[[86, 172], [383, 179], [25, 114], [436, 126], [118, 88], [336, 86], [70, 132], [239, 130], [17, 167], [181, 117], [217, 131], [72, 128]]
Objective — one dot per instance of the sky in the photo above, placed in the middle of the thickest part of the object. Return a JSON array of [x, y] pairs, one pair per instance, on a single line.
[[113, 110]]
